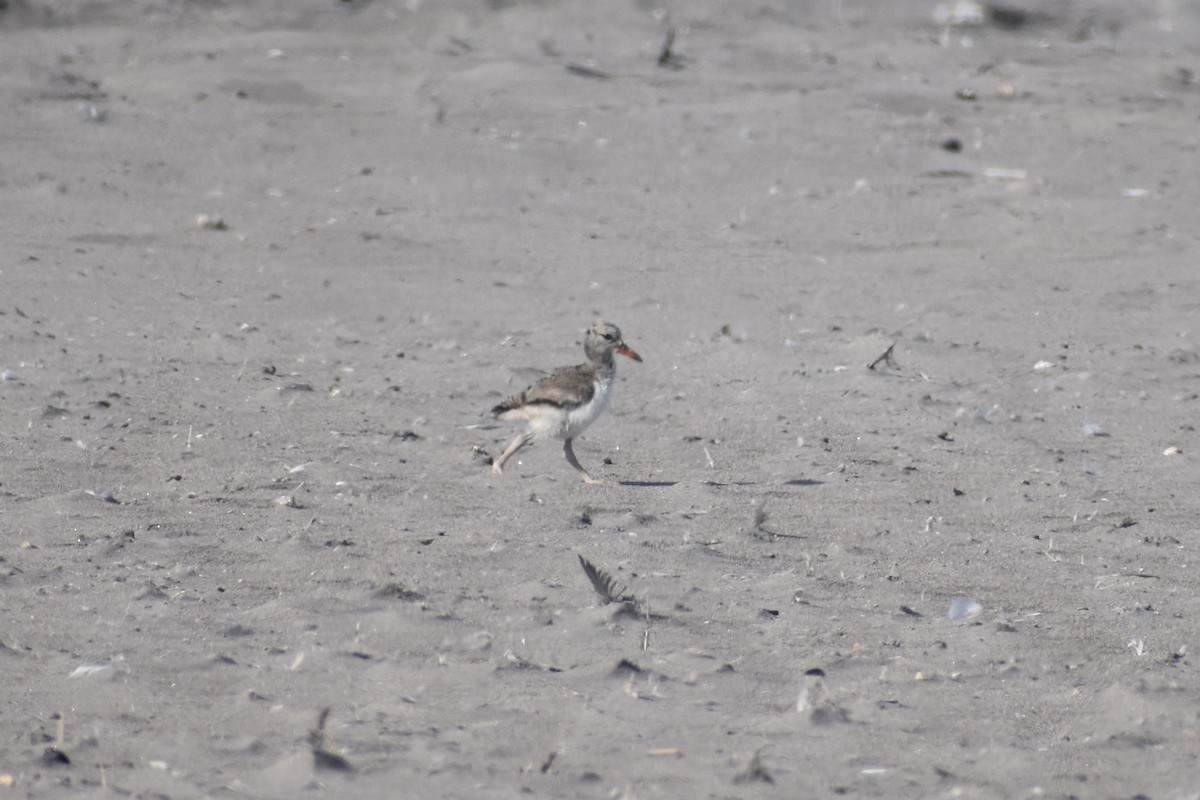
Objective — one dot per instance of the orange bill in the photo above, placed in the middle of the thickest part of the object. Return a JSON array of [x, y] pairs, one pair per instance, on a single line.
[[624, 350]]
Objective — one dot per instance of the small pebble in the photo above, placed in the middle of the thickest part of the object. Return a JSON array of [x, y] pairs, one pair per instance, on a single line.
[[210, 222]]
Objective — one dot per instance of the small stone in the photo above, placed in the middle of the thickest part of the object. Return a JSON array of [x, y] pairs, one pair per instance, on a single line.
[[210, 222]]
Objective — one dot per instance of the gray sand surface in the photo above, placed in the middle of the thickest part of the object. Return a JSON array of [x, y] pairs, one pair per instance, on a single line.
[[245, 466]]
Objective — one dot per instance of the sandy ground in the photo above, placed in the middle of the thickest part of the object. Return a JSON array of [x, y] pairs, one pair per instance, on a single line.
[[243, 475]]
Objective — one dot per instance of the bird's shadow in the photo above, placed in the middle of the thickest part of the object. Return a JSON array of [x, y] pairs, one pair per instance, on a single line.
[[648, 484]]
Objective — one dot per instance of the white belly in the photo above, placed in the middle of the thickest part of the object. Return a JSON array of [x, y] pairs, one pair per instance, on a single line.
[[579, 419]]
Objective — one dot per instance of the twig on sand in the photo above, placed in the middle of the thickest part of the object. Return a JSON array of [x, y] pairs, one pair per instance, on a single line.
[[666, 57], [611, 592], [886, 358], [604, 584], [584, 71], [54, 755], [754, 771], [760, 516], [323, 755], [761, 531]]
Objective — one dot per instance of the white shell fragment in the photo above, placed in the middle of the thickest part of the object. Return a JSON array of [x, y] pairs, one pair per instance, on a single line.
[[89, 670], [963, 608], [964, 12]]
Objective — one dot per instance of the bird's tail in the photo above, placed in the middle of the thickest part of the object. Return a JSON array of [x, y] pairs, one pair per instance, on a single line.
[[508, 405]]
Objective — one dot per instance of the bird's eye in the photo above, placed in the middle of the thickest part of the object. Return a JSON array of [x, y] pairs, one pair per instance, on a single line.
[[608, 336]]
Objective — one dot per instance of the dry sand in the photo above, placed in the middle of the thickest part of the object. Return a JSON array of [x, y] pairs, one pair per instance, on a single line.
[[242, 479]]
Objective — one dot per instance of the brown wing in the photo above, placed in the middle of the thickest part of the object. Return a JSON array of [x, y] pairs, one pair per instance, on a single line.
[[564, 388]]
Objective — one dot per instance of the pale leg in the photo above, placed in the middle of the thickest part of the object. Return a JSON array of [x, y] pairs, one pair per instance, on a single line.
[[569, 452], [519, 441]]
